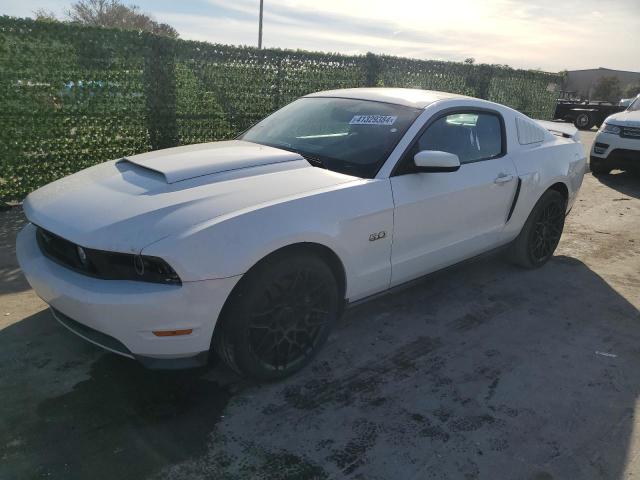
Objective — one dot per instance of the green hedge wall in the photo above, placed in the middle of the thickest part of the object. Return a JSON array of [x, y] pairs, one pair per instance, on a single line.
[[75, 96]]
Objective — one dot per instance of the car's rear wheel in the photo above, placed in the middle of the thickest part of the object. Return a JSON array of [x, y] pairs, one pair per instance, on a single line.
[[541, 233], [278, 317]]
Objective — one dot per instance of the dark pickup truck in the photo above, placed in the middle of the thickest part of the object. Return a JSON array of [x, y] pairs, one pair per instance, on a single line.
[[584, 114]]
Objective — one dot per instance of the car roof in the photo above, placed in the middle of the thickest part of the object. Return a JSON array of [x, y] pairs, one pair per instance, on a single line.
[[409, 97]]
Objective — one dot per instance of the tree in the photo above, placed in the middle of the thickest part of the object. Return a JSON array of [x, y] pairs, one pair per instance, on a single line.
[[632, 90], [112, 14], [607, 88], [109, 13], [470, 61], [43, 15]]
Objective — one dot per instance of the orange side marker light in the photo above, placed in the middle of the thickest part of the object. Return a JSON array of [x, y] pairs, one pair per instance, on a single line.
[[172, 333]]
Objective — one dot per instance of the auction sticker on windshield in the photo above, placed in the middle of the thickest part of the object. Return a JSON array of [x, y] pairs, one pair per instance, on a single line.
[[373, 120]]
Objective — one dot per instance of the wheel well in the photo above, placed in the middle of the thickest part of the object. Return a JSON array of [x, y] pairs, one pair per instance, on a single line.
[[323, 252], [560, 188]]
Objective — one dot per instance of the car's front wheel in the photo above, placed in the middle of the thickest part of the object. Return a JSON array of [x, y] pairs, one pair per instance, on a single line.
[[278, 317], [541, 233]]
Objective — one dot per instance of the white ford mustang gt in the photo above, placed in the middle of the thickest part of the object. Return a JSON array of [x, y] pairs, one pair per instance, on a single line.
[[252, 247]]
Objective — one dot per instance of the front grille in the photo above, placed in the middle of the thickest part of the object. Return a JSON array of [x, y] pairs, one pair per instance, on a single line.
[[630, 132]]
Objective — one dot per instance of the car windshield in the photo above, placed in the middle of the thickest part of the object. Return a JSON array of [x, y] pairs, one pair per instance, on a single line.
[[635, 105], [344, 135]]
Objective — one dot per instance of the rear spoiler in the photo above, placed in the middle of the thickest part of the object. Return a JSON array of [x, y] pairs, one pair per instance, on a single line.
[[565, 130]]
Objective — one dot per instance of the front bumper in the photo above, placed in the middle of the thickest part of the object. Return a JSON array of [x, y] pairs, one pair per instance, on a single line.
[[615, 151], [128, 312]]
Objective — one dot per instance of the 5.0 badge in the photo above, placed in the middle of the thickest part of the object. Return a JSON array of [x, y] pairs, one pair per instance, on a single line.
[[377, 236]]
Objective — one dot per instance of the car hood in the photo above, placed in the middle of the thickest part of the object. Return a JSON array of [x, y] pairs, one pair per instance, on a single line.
[[127, 204], [625, 119]]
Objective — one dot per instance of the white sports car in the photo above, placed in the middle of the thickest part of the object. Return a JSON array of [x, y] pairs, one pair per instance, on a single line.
[[253, 247]]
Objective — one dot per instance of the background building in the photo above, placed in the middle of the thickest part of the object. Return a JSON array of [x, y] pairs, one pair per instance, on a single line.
[[583, 82]]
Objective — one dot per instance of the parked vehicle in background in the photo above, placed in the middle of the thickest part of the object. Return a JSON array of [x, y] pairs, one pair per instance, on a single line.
[[617, 144], [584, 114], [253, 247], [625, 102]]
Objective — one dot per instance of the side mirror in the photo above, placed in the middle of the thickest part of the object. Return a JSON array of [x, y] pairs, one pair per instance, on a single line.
[[436, 161]]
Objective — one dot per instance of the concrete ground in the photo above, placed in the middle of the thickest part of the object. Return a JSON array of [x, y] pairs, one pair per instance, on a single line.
[[485, 371]]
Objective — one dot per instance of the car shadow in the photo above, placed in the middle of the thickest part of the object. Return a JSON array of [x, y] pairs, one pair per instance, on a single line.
[[482, 371], [625, 182], [114, 419]]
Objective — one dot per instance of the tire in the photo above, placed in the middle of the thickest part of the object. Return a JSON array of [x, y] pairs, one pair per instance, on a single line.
[[583, 121], [541, 233], [278, 317], [598, 167]]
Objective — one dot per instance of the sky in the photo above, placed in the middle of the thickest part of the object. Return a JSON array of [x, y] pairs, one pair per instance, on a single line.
[[550, 35]]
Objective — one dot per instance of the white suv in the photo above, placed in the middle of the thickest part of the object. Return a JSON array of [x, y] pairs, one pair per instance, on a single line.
[[617, 144]]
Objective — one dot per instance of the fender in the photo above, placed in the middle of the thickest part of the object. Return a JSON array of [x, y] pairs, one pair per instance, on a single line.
[[341, 218]]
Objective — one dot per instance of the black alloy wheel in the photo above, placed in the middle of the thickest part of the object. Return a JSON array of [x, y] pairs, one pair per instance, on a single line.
[[279, 316], [547, 232], [287, 324], [541, 232]]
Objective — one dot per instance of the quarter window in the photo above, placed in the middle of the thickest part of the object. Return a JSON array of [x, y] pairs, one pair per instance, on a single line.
[[472, 136]]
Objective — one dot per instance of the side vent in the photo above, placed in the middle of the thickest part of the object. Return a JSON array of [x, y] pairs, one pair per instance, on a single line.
[[515, 200]]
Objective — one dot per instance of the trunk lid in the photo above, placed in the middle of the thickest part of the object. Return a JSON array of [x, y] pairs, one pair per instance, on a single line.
[[566, 130]]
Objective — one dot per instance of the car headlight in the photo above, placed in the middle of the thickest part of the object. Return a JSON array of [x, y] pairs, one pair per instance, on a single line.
[[609, 128], [154, 269], [125, 266]]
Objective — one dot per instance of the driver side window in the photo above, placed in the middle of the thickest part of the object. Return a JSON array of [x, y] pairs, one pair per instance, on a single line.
[[472, 136]]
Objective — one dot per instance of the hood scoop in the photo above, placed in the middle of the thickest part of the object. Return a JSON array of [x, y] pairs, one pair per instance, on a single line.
[[190, 161]]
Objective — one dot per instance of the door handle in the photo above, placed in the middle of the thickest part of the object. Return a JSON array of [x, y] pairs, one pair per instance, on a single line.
[[503, 178]]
